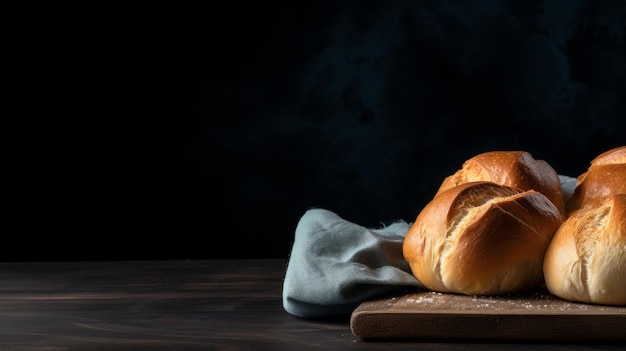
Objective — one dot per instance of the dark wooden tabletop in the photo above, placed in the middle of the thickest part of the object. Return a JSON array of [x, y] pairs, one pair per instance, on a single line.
[[178, 305]]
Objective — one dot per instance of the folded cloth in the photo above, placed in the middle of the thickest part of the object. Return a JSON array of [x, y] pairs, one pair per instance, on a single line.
[[335, 265], [568, 186]]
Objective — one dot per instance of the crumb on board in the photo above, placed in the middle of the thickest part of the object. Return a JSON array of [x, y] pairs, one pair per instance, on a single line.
[[535, 301]]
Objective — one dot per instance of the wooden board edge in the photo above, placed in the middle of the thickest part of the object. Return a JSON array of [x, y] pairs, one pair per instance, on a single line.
[[368, 325]]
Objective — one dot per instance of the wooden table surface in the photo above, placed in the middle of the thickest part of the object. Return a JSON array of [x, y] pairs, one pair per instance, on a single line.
[[178, 305]]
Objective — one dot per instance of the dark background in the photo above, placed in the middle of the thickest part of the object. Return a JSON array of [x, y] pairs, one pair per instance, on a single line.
[[198, 130]]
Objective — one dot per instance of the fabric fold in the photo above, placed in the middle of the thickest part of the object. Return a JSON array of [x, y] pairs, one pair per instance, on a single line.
[[336, 264]]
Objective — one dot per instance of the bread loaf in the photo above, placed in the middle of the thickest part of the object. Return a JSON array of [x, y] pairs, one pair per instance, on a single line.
[[605, 176], [481, 238], [516, 169], [586, 260]]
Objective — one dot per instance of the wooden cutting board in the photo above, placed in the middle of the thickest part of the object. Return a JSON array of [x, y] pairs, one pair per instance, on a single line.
[[536, 315]]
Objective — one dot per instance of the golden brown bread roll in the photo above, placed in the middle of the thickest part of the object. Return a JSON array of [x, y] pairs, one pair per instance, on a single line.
[[586, 260], [516, 169], [605, 176], [481, 238]]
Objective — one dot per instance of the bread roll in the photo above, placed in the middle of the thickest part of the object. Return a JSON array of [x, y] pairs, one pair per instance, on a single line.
[[586, 260], [517, 169], [605, 176], [481, 238]]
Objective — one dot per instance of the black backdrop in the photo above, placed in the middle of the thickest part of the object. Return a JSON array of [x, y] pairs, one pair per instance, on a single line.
[[193, 130]]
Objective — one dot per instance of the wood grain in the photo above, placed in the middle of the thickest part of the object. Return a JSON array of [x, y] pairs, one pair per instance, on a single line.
[[534, 315], [179, 305]]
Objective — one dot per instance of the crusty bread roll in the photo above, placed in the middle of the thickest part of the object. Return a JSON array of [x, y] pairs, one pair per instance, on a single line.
[[586, 260], [481, 238], [517, 169], [605, 176]]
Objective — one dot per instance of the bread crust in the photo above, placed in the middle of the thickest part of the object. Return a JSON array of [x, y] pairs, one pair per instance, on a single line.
[[481, 238], [599, 182], [586, 260], [605, 176], [610, 157], [516, 169]]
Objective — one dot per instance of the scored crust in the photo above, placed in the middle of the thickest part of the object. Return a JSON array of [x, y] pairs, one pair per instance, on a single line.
[[481, 238], [586, 260], [516, 169]]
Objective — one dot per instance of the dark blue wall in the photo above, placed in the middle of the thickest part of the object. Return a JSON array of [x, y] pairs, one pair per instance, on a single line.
[[218, 126]]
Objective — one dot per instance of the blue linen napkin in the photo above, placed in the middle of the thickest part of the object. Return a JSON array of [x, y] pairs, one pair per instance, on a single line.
[[335, 264]]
